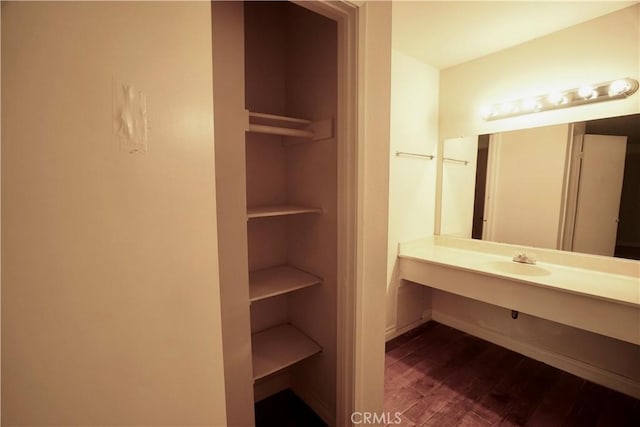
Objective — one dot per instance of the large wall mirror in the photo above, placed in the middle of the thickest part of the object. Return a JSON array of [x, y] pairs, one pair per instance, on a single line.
[[572, 186]]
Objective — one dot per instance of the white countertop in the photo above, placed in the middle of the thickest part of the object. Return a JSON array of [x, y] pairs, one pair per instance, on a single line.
[[624, 289]]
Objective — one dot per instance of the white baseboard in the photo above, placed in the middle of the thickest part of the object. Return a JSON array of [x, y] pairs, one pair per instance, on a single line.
[[393, 332], [576, 367]]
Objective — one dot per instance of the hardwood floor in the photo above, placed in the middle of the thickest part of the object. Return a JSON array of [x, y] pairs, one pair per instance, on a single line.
[[438, 376]]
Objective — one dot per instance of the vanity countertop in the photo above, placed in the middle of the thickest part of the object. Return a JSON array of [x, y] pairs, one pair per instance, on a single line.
[[618, 288]]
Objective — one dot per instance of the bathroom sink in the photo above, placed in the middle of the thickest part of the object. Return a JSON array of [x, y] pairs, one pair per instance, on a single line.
[[512, 267]]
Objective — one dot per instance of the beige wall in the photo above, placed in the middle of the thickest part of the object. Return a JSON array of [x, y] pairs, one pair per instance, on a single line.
[[458, 186], [110, 294], [374, 87], [230, 122], [599, 50], [414, 129]]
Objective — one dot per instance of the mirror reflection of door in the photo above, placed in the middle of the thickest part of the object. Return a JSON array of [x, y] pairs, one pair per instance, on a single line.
[[627, 243], [599, 189]]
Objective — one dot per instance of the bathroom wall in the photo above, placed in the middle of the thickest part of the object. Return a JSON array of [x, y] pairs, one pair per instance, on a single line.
[[373, 180], [414, 128], [458, 185], [603, 49], [227, 21], [599, 50], [110, 293]]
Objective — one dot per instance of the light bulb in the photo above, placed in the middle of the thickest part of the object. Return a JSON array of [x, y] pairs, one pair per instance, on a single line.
[[530, 104], [587, 92], [507, 107], [579, 95], [486, 112], [619, 86], [557, 98]]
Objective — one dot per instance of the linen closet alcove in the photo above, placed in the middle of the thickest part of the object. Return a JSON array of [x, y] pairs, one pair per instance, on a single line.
[[275, 101]]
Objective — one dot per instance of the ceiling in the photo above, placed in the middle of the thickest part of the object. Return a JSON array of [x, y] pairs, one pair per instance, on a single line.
[[447, 33]]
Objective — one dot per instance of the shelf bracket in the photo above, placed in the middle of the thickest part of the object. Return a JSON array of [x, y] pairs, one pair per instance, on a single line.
[[322, 129]]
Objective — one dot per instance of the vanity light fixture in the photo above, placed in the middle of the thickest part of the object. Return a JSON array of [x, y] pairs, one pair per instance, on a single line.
[[616, 89]]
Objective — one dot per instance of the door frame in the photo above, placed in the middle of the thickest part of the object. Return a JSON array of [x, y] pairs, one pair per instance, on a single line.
[[493, 166], [572, 175], [363, 113]]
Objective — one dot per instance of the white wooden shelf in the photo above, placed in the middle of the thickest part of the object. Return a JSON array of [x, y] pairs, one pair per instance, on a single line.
[[274, 119], [274, 281], [274, 130], [280, 210], [277, 348], [290, 126]]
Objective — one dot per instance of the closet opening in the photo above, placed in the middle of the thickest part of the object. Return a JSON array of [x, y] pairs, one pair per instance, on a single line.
[[290, 71], [286, 163]]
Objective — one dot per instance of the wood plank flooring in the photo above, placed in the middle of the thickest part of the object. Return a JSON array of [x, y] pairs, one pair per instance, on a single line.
[[438, 376]]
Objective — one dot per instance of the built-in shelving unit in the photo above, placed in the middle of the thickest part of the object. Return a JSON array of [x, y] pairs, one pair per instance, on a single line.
[[290, 155], [277, 155], [280, 210], [274, 281], [280, 347], [290, 126]]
